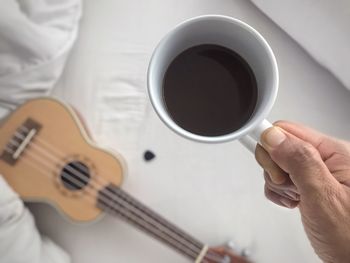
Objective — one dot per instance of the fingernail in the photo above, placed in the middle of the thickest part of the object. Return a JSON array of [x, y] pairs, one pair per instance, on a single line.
[[273, 137], [277, 178], [286, 202]]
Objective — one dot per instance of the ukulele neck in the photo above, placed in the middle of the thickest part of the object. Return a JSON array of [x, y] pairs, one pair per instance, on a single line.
[[115, 201]]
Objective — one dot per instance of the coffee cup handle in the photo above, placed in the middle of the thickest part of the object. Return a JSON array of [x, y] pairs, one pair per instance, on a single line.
[[250, 140]]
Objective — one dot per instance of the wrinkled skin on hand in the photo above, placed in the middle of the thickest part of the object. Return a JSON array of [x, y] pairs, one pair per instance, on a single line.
[[306, 169]]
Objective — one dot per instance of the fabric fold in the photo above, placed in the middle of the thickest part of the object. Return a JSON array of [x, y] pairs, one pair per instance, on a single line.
[[321, 27]]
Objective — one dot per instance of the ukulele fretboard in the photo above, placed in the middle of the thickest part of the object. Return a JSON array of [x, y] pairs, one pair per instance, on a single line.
[[115, 201]]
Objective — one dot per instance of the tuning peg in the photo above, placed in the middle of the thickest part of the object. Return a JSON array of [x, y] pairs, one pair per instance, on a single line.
[[226, 259], [246, 252], [231, 245]]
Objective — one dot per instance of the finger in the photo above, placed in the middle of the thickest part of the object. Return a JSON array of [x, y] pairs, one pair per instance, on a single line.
[[288, 185], [285, 194], [299, 159], [277, 175], [279, 200], [325, 144], [305, 133], [282, 190]]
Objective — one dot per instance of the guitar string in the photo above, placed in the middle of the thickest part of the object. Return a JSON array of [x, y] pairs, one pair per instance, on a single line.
[[167, 224], [76, 182], [109, 194], [143, 208], [210, 255], [123, 213]]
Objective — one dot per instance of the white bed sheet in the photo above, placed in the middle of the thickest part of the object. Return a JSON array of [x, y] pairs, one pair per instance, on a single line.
[[321, 27], [213, 191]]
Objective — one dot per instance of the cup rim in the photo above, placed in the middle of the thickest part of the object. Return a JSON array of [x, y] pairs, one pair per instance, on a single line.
[[250, 124]]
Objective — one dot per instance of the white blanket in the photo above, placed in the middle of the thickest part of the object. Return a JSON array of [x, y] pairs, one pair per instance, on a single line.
[[321, 27], [35, 37], [20, 241]]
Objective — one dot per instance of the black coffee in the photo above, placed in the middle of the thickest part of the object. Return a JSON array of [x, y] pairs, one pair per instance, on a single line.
[[209, 90]]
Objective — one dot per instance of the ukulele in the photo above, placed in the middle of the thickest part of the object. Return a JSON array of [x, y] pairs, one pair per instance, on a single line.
[[46, 154]]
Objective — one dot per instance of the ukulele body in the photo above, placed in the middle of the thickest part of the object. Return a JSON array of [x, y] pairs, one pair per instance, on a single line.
[[46, 155], [37, 174]]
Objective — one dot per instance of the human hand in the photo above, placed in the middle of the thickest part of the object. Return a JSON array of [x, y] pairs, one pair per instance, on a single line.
[[308, 169]]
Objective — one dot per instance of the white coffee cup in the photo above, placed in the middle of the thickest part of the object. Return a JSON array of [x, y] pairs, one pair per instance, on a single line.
[[235, 35]]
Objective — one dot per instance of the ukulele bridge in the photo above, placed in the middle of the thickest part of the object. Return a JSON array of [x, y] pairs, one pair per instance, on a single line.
[[20, 141]]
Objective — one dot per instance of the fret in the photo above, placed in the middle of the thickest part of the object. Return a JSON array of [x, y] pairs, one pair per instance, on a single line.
[[44, 156], [115, 201], [154, 215], [202, 254]]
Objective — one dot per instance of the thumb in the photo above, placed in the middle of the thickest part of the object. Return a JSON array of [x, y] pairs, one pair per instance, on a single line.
[[300, 159]]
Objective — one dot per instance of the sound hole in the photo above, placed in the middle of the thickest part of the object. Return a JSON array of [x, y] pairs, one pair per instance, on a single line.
[[75, 175]]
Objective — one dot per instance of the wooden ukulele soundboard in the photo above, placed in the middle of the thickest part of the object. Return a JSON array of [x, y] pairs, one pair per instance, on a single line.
[[46, 154]]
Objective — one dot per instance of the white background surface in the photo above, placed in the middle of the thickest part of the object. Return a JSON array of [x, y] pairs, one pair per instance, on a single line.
[[215, 192]]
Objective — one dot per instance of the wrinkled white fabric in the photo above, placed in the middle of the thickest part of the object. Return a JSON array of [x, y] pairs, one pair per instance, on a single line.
[[107, 84], [20, 241], [321, 27], [35, 38]]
